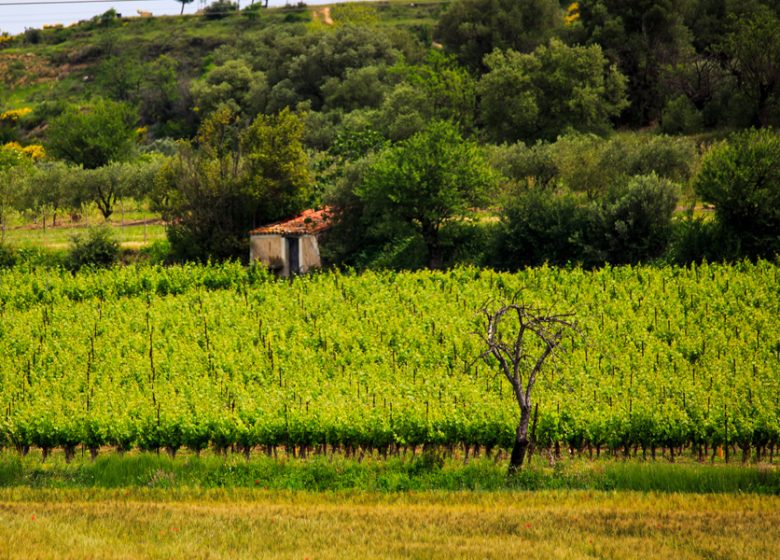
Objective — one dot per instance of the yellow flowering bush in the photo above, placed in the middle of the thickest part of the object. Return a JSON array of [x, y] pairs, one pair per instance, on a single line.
[[12, 146], [35, 152], [572, 13], [13, 115]]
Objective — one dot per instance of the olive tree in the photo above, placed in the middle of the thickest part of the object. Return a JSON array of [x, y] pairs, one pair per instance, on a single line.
[[14, 166], [545, 93], [741, 178], [47, 189]]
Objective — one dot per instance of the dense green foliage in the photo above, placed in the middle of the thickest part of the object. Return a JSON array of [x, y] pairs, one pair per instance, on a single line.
[[629, 226], [93, 137], [474, 28], [554, 89], [742, 179], [222, 356], [96, 249], [237, 178], [424, 183], [537, 72]]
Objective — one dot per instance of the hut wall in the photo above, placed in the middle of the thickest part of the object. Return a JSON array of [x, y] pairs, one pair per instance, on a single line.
[[310, 253], [271, 251]]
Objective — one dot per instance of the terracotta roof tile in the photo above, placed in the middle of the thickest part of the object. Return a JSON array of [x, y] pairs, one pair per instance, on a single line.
[[310, 222]]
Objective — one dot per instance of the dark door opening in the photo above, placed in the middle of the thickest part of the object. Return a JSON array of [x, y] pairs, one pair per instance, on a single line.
[[293, 253]]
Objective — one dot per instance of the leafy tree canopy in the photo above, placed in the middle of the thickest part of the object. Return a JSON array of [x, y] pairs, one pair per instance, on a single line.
[[473, 28], [753, 49], [423, 182], [554, 89], [234, 178], [95, 136], [742, 179]]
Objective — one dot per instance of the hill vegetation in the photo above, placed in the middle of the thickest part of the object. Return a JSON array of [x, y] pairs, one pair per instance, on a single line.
[[603, 124], [483, 132]]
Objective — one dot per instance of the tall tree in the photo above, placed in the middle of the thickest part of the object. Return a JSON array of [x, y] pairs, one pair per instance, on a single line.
[[473, 28], [433, 177], [276, 167], [215, 190], [94, 136], [183, 3], [753, 50], [641, 37], [555, 88]]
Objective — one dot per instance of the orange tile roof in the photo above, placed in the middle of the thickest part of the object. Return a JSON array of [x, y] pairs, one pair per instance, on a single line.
[[310, 222]]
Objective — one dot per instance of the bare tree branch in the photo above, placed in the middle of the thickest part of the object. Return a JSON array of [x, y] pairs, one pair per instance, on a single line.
[[522, 360]]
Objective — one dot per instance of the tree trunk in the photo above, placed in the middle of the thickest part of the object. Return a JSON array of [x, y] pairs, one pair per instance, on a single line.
[[762, 111], [521, 441], [430, 234]]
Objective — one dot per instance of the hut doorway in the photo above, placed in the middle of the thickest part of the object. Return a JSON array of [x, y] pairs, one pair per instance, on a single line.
[[293, 253]]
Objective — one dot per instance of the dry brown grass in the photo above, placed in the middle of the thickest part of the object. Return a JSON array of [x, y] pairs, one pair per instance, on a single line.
[[252, 524]]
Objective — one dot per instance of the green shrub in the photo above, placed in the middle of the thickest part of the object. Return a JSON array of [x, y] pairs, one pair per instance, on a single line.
[[742, 179], [159, 252], [544, 226], [8, 256], [695, 240], [632, 224], [98, 248], [253, 11], [680, 116], [220, 9], [593, 165], [637, 225]]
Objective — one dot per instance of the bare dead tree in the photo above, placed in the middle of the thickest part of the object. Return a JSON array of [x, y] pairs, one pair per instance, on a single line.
[[521, 349]]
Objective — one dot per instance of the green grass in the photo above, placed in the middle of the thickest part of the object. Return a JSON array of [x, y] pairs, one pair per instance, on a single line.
[[130, 236], [337, 473], [127, 228]]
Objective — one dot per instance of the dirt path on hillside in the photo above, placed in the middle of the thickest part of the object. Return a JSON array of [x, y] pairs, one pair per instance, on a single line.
[[323, 15]]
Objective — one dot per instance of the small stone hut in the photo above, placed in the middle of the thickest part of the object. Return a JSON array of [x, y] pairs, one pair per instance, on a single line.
[[290, 247]]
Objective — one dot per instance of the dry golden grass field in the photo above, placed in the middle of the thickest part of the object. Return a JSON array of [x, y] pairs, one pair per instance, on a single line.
[[38, 524]]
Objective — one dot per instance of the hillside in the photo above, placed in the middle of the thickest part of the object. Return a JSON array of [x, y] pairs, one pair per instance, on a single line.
[[50, 67], [485, 132]]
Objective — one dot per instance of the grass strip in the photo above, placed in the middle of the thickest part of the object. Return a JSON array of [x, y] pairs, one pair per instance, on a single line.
[[337, 473]]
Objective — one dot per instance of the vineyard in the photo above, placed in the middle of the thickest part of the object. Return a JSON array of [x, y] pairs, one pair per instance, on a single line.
[[665, 359]]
